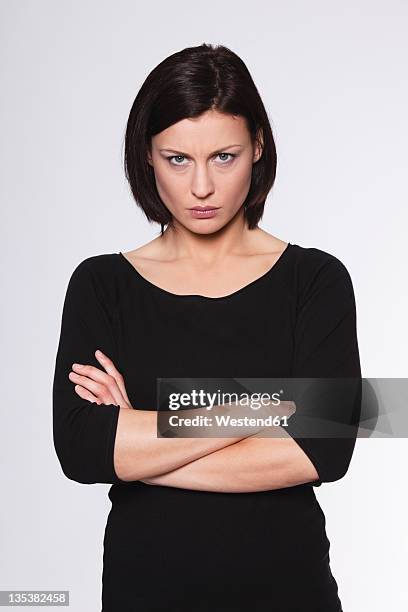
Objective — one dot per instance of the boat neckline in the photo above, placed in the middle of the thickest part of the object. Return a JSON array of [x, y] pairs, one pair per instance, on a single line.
[[198, 296]]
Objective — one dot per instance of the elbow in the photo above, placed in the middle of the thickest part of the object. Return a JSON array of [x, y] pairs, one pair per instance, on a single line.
[[317, 472], [68, 454], [69, 467], [335, 476], [76, 476], [335, 473], [331, 458], [84, 441]]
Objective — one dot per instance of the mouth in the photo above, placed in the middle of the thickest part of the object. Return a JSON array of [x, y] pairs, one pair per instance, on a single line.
[[204, 212], [204, 208]]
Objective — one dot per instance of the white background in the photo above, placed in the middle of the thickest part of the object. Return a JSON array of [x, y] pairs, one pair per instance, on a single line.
[[333, 77]]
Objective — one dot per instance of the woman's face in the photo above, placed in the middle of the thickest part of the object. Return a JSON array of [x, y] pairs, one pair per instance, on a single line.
[[202, 162]]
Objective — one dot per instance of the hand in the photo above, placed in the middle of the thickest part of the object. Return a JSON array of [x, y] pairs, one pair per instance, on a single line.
[[100, 387]]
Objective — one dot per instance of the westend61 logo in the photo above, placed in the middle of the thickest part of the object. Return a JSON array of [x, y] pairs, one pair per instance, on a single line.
[[228, 410], [204, 399], [301, 407], [202, 408]]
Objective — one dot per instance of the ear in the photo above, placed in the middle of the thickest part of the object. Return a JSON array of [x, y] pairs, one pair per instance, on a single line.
[[149, 157], [258, 148]]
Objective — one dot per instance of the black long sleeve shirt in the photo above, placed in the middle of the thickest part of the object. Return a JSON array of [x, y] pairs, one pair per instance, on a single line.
[[168, 548]]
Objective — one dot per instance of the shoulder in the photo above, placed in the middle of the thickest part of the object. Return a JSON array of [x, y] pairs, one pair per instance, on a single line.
[[311, 262], [98, 267], [95, 278], [316, 268]]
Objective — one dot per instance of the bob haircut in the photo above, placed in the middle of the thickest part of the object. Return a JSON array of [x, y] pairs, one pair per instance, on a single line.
[[185, 85]]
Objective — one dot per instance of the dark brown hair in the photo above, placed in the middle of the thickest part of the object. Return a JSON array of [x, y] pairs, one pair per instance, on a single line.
[[185, 85]]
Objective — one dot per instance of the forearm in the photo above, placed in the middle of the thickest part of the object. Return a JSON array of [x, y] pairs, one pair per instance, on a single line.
[[140, 454], [252, 464]]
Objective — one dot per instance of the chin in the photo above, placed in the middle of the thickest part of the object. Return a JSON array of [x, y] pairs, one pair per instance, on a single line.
[[205, 228]]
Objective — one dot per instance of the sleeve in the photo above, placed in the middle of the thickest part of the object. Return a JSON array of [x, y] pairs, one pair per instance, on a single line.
[[326, 350], [83, 432]]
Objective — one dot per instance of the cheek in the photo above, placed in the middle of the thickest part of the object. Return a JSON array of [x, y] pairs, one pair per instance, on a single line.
[[169, 187], [235, 185]]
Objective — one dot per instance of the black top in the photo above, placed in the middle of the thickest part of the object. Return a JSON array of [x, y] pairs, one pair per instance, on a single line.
[[167, 548]]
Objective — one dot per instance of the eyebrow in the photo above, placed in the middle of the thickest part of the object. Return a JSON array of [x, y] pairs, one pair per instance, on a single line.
[[213, 153]]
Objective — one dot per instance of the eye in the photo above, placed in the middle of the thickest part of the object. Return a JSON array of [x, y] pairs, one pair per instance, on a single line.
[[231, 156], [175, 157]]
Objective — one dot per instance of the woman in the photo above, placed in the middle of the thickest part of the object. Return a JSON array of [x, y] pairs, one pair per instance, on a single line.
[[211, 523]]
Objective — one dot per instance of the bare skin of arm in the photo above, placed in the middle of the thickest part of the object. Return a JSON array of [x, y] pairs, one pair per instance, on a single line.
[[252, 464], [139, 454]]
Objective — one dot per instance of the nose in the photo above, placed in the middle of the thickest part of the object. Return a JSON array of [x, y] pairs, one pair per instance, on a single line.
[[202, 184]]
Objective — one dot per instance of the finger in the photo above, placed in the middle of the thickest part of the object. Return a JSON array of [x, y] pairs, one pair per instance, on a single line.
[[97, 375], [86, 395], [109, 366], [107, 391], [90, 371]]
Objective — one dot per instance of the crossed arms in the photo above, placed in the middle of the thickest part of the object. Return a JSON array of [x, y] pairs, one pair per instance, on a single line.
[[228, 465], [243, 464]]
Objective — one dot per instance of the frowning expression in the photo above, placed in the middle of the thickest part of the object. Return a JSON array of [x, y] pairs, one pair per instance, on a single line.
[[204, 162]]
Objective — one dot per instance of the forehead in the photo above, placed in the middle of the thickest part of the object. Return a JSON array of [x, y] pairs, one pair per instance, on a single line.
[[208, 131]]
